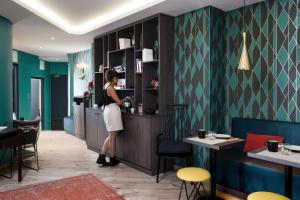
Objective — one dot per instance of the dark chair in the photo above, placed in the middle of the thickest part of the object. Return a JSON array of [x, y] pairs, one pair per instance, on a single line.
[[30, 136], [169, 142], [8, 140]]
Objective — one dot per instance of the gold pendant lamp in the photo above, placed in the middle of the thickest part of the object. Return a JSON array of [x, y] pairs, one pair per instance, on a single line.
[[244, 63]]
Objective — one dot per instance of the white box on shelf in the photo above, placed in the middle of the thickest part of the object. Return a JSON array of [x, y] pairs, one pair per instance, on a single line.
[[124, 43], [147, 55], [121, 84]]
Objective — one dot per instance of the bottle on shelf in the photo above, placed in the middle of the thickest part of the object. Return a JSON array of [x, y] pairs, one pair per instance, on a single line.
[[155, 50]]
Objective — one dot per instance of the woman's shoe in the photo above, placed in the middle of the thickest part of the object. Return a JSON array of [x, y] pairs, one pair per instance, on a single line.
[[101, 159], [114, 161]]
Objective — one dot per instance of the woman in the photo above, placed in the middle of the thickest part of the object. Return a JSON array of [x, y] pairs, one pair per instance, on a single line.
[[112, 119]]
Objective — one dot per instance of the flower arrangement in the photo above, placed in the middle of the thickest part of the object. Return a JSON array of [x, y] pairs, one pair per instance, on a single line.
[[90, 92]]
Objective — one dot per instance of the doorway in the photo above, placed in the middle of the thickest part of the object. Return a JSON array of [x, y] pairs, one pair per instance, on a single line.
[[37, 99], [15, 91], [59, 101]]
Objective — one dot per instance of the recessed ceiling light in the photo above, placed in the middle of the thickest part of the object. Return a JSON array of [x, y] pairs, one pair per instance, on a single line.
[[41, 47], [52, 38], [39, 8]]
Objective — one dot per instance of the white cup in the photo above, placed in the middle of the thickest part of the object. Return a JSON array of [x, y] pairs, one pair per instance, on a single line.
[[132, 110], [95, 106]]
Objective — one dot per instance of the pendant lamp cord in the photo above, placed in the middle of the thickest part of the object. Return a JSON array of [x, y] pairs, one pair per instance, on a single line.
[[244, 16]]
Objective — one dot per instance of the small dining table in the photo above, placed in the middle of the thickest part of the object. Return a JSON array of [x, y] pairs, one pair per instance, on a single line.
[[289, 162], [214, 145]]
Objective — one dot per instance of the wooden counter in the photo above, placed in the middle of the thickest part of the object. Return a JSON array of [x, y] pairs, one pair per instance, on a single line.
[[136, 145]]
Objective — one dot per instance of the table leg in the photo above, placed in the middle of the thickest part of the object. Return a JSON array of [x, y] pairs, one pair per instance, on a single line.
[[288, 181], [20, 163], [212, 170]]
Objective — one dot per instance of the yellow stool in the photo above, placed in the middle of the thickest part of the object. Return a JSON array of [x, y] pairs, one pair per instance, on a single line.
[[266, 196], [194, 175]]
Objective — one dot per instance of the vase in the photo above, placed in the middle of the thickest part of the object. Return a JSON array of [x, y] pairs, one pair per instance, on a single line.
[[91, 101]]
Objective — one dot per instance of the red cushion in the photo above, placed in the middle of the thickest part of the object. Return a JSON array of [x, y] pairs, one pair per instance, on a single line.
[[256, 141]]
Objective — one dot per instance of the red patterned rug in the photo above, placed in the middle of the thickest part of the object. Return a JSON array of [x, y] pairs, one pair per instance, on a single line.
[[84, 187]]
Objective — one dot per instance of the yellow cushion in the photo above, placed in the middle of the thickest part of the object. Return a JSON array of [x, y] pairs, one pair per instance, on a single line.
[[193, 174], [266, 196]]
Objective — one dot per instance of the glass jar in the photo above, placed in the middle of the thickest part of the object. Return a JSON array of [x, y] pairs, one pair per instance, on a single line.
[[140, 108]]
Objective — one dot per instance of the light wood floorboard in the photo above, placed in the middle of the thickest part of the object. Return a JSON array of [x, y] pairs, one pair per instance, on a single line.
[[62, 155]]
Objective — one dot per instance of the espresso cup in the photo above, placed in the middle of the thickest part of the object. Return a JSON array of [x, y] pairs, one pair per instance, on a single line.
[[272, 145], [132, 110], [202, 133]]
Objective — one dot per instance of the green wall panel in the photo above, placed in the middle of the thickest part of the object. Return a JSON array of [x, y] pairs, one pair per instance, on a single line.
[[208, 43], [71, 81], [29, 66], [5, 71], [200, 70], [269, 90], [6, 107]]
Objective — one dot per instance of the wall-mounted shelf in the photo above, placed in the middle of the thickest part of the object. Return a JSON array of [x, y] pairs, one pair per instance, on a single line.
[[129, 89], [153, 61], [151, 89], [121, 50]]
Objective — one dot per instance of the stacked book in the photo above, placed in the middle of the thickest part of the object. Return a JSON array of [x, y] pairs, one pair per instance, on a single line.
[[138, 66]]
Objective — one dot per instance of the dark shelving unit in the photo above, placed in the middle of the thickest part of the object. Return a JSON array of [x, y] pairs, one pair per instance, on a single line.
[[143, 34], [137, 146]]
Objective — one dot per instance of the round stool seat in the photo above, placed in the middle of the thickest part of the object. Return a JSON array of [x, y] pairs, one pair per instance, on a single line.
[[266, 196], [193, 174]]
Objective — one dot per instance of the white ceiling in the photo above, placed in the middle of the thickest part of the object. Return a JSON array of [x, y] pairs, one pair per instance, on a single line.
[[32, 33]]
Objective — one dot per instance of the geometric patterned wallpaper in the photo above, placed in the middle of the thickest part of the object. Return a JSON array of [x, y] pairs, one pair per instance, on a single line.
[[191, 71], [199, 71], [208, 43], [272, 89], [192, 52]]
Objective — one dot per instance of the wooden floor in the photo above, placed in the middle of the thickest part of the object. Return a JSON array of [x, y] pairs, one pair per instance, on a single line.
[[62, 155]]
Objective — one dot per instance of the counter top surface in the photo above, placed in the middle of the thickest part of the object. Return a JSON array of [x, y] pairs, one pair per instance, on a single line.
[[99, 110]]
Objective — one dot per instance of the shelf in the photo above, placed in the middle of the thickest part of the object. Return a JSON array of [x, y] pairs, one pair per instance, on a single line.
[[126, 89], [151, 89], [137, 83], [153, 61], [121, 50]]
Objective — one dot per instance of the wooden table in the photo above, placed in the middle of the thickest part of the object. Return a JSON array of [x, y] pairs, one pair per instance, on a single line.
[[214, 146], [289, 161], [13, 139]]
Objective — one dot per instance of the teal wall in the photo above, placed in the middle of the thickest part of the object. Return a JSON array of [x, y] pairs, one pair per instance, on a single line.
[[6, 108], [29, 67], [6, 71], [71, 82], [208, 43], [271, 90]]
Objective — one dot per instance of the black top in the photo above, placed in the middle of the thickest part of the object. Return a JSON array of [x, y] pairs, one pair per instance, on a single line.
[[107, 99]]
